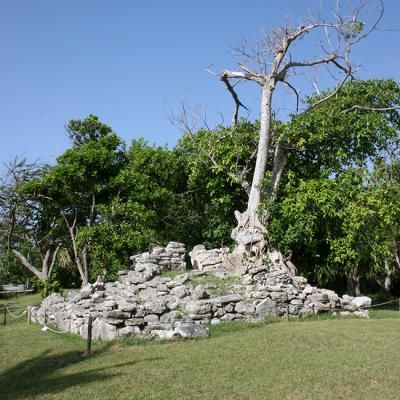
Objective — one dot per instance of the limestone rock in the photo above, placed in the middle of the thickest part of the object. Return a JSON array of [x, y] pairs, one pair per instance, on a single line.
[[244, 308], [362, 301], [266, 307], [191, 330], [199, 292], [102, 330], [129, 331], [144, 302], [198, 307]]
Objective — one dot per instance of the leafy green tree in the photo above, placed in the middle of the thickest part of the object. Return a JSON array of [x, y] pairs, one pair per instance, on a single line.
[[323, 217], [28, 222], [79, 184], [145, 209]]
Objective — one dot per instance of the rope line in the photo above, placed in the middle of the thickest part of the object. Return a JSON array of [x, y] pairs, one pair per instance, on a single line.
[[382, 304], [364, 308], [47, 328], [13, 315]]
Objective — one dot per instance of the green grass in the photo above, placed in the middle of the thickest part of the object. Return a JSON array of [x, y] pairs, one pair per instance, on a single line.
[[221, 285], [316, 359], [171, 274]]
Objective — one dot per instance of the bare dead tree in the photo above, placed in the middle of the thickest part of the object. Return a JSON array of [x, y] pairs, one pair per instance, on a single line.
[[271, 62]]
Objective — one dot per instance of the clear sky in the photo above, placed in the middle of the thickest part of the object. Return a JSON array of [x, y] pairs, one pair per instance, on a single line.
[[132, 62]]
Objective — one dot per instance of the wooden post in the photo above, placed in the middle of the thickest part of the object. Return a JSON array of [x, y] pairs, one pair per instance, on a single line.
[[287, 312], [89, 337], [45, 316], [29, 314], [5, 314]]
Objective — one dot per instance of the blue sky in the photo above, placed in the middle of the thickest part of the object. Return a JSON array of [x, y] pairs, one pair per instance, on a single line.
[[133, 62]]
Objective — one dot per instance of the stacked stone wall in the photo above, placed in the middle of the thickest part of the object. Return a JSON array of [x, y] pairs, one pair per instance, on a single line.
[[143, 302]]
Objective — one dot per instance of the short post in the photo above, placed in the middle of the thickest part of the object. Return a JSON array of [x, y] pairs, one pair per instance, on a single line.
[[45, 316], [89, 337], [29, 314], [287, 312], [5, 314]]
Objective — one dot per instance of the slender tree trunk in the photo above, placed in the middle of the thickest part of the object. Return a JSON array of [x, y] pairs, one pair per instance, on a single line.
[[48, 261], [350, 284], [388, 278], [262, 152], [353, 284], [81, 268], [249, 232], [357, 285], [29, 266]]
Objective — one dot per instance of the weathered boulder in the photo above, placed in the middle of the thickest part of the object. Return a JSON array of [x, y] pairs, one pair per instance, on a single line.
[[191, 330], [266, 308], [103, 331], [362, 301], [244, 308], [199, 292], [198, 307]]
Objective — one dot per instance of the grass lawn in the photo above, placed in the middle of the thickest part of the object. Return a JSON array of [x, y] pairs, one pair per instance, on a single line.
[[315, 359]]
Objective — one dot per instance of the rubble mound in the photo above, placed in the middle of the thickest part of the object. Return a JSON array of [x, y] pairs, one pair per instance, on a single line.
[[154, 299]]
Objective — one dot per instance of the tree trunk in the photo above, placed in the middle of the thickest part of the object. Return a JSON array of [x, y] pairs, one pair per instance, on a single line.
[[388, 278], [353, 284], [83, 272], [29, 266], [357, 286], [350, 284], [249, 232]]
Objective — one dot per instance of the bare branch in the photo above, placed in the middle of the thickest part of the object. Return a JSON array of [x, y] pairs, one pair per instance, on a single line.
[[331, 95], [240, 75], [294, 91], [373, 27], [378, 109], [293, 64], [235, 97], [209, 70], [249, 71]]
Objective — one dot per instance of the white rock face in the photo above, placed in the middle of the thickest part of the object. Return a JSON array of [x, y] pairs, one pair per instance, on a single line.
[[362, 301], [207, 260]]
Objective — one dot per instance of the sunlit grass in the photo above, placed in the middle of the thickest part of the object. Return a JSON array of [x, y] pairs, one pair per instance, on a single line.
[[317, 359]]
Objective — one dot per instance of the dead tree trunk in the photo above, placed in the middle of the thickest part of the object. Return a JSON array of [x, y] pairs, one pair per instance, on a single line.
[[250, 230]]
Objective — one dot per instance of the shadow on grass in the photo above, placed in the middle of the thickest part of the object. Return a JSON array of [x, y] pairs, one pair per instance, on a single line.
[[44, 374]]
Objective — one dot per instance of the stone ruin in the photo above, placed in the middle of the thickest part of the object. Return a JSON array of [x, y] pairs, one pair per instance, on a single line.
[[146, 301]]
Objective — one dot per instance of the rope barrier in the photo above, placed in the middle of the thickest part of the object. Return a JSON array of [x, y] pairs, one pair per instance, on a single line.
[[13, 315], [47, 328], [382, 304], [363, 308]]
